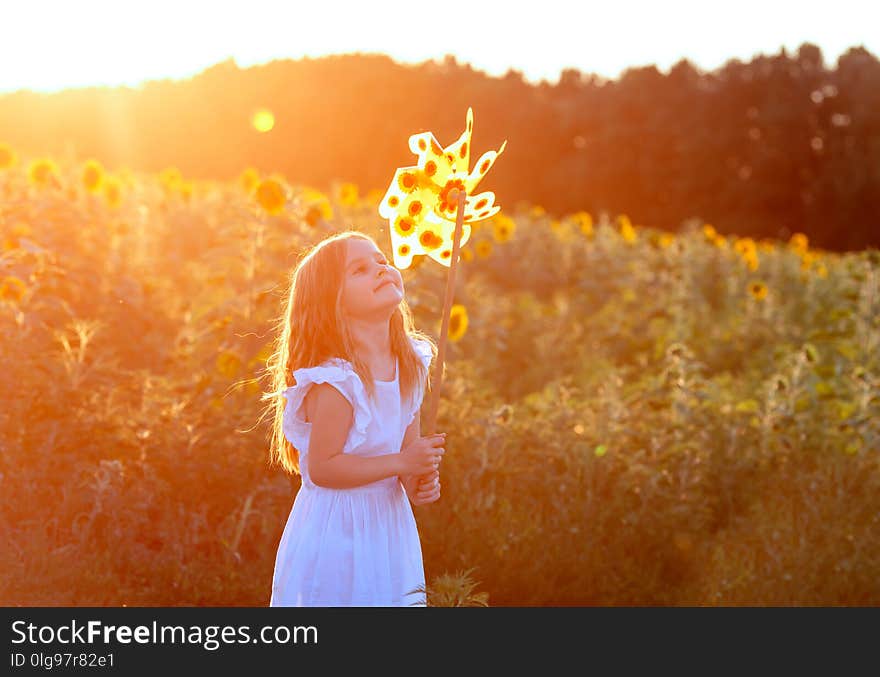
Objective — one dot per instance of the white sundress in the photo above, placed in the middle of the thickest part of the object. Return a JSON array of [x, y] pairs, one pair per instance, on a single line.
[[358, 546]]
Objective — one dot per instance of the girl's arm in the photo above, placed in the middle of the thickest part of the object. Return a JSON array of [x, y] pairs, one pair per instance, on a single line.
[[332, 415], [413, 432], [410, 484]]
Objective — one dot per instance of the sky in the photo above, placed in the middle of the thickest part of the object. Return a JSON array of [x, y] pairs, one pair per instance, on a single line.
[[50, 45]]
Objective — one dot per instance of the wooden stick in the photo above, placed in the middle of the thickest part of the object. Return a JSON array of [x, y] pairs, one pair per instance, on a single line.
[[437, 378]]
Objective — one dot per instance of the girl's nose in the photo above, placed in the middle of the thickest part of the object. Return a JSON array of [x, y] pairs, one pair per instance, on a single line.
[[382, 273]]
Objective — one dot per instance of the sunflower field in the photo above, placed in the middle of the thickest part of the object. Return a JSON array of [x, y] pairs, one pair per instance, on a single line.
[[634, 416]]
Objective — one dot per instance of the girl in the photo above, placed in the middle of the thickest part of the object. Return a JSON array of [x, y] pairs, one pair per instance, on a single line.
[[353, 373]]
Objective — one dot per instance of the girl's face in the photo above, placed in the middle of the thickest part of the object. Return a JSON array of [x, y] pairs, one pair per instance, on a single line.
[[373, 287]]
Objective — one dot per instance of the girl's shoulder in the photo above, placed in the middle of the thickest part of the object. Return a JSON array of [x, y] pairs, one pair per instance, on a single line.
[[339, 374]]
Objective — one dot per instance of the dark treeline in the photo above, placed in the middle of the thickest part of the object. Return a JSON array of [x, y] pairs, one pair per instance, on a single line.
[[766, 148]]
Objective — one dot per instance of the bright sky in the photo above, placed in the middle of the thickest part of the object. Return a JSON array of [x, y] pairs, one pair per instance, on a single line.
[[55, 44]]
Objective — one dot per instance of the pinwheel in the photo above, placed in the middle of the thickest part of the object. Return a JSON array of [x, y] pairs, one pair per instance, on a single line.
[[429, 207]]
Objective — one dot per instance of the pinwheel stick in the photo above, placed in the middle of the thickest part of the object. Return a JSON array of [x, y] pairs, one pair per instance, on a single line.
[[437, 378]]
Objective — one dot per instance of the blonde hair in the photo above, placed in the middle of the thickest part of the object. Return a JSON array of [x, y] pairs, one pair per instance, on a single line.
[[307, 335]]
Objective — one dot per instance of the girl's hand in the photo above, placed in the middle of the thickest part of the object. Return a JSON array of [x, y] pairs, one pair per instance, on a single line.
[[422, 489], [422, 456]]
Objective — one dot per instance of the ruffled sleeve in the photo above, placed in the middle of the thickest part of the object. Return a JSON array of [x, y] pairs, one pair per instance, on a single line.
[[423, 350], [341, 376]]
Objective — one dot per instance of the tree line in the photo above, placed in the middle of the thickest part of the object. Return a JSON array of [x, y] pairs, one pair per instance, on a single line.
[[777, 145]]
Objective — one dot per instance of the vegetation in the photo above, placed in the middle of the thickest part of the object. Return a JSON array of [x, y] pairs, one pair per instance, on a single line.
[[634, 416]]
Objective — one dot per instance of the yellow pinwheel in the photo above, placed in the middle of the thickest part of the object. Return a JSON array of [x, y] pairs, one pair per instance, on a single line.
[[429, 207], [419, 203]]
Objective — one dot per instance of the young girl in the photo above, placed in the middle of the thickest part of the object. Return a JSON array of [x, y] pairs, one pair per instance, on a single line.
[[353, 373]]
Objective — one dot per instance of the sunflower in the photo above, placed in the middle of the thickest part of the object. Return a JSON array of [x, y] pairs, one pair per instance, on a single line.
[[744, 245], [92, 176], [317, 212], [317, 207], [43, 172], [8, 158], [626, 229], [186, 190], [12, 289], [112, 188], [758, 290], [483, 248], [249, 179], [348, 194], [750, 258], [458, 321], [270, 195], [799, 242], [503, 227], [583, 221], [666, 239], [709, 231], [170, 178], [807, 259]]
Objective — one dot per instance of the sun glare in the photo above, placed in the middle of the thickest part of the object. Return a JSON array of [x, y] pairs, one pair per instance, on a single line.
[[263, 120]]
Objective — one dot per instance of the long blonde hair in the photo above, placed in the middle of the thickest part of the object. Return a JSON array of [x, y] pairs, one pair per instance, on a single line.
[[307, 335]]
